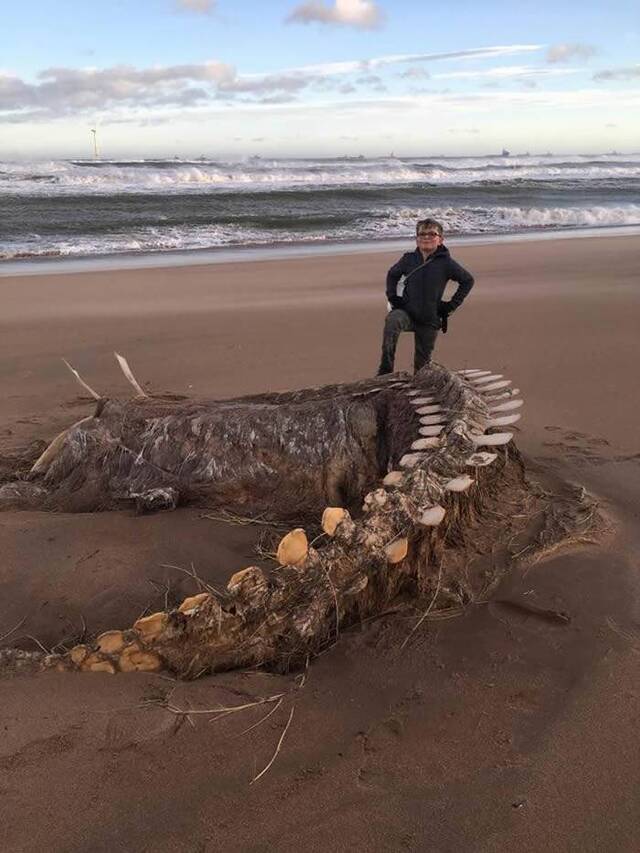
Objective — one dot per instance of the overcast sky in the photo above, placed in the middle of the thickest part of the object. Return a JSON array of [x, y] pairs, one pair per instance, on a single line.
[[318, 77]]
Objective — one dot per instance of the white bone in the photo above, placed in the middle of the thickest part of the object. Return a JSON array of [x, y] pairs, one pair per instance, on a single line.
[[433, 440], [421, 401], [503, 395], [431, 430], [459, 484], [415, 393], [495, 386], [433, 516], [430, 420], [425, 443], [504, 420], [427, 410], [484, 379], [124, 366], [45, 459], [81, 381], [474, 372], [494, 440], [507, 407], [479, 460], [393, 478], [410, 460]]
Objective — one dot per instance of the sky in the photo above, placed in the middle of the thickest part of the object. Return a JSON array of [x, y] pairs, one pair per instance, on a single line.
[[235, 78]]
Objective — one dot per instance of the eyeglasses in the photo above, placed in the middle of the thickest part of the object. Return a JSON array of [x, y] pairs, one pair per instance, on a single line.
[[429, 234]]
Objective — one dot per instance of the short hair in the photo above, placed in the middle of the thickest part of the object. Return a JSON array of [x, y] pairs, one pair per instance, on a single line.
[[421, 223]]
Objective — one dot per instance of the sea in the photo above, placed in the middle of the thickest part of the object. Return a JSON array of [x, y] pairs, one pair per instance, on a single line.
[[90, 208]]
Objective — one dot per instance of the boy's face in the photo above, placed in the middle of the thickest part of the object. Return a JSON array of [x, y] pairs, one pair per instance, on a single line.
[[428, 238]]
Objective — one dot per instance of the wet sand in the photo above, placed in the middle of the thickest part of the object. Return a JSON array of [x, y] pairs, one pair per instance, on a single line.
[[490, 732]]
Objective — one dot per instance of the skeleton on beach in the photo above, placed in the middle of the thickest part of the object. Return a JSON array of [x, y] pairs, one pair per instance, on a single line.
[[394, 468]]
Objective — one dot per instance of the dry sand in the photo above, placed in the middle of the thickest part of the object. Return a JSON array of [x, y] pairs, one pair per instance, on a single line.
[[490, 732]]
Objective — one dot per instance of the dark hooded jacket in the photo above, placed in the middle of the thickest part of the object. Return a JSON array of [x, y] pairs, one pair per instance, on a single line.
[[425, 283]]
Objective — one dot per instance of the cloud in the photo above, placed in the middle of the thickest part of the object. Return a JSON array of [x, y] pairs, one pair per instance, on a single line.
[[203, 7], [414, 73], [58, 91], [632, 72], [569, 50], [362, 14], [506, 72]]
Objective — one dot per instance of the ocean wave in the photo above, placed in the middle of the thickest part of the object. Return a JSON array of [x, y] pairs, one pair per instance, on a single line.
[[112, 177], [381, 223]]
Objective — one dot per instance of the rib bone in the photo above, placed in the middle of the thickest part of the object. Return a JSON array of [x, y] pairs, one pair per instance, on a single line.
[[431, 430], [494, 440], [484, 379], [79, 379], [507, 407], [124, 366], [504, 420], [495, 386]]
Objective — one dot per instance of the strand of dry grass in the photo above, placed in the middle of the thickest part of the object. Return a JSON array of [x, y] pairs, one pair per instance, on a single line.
[[202, 585], [263, 719], [278, 748], [15, 628], [214, 713], [427, 611], [243, 520]]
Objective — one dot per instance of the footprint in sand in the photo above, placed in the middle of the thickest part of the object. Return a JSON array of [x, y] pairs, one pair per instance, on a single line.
[[578, 447]]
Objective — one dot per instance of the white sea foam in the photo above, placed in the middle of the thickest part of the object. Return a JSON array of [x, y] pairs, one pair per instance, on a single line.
[[67, 177], [389, 224], [500, 219]]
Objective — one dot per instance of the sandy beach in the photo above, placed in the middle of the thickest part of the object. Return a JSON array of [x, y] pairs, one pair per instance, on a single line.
[[493, 731]]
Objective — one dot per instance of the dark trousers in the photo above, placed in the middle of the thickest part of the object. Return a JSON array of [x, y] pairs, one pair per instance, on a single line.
[[425, 337]]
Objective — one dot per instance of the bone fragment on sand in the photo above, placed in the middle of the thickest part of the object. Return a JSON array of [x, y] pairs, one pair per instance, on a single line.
[[504, 420], [484, 381], [124, 366], [431, 429], [396, 551], [491, 399], [506, 407], [459, 484], [425, 443], [332, 517], [430, 410], [293, 548], [45, 459], [432, 516], [81, 381], [393, 478], [481, 459], [410, 460], [495, 386], [494, 440]]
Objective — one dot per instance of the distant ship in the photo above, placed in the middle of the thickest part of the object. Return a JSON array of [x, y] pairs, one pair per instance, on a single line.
[[505, 153]]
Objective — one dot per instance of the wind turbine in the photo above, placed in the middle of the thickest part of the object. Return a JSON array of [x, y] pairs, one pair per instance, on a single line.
[[95, 143]]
